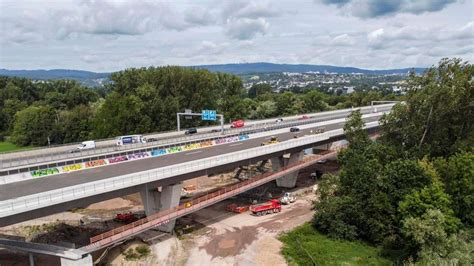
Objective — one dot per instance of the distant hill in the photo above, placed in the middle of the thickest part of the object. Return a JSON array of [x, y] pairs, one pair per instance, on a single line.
[[249, 68], [94, 78], [54, 74]]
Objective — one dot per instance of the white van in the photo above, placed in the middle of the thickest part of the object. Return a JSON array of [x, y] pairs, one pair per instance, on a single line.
[[85, 145], [131, 139]]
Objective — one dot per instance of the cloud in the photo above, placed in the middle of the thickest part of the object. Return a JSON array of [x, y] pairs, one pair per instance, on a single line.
[[343, 40], [379, 8], [200, 16], [245, 29], [245, 20]]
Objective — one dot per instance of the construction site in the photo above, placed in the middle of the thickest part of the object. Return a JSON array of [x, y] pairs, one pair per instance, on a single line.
[[241, 230]]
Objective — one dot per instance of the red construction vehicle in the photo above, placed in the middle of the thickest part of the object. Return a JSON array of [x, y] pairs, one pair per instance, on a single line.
[[127, 218], [271, 206], [236, 208]]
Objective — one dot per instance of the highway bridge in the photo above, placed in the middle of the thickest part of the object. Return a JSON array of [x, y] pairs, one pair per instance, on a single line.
[[164, 166]]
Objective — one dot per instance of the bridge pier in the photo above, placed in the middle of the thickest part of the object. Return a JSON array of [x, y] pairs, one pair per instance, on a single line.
[[289, 180], [155, 201]]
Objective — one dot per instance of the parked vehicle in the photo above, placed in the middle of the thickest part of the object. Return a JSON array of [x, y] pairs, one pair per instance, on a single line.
[[294, 129], [131, 139], [322, 161], [304, 117], [127, 218], [279, 120], [190, 131], [85, 145], [237, 124], [272, 206], [236, 208], [272, 140], [287, 198]]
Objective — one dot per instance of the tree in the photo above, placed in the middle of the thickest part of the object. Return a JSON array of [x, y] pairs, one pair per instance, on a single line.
[[259, 89], [420, 201], [76, 124], [313, 101], [34, 125], [437, 118], [457, 173], [288, 103], [264, 109], [355, 132], [432, 245]]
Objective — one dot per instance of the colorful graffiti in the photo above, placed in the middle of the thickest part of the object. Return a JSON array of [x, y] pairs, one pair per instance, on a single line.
[[158, 152], [95, 163], [118, 159], [73, 167], [43, 172], [206, 144], [139, 155], [174, 149]]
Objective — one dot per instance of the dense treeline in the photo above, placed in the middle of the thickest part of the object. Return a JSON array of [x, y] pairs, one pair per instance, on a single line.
[[146, 100], [411, 191]]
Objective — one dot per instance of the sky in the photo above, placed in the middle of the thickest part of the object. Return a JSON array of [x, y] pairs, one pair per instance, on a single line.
[[110, 35]]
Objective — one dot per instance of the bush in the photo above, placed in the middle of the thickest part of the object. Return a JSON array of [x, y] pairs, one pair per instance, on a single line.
[[139, 252], [143, 250]]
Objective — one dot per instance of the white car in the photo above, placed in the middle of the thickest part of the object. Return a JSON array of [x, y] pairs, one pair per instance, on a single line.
[[85, 145]]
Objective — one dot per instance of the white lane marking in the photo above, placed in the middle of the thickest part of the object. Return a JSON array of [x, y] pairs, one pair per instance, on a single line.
[[236, 144], [194, 152]]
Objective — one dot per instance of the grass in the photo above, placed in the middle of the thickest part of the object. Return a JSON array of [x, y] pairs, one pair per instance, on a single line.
[[304, 243], [6, 146]]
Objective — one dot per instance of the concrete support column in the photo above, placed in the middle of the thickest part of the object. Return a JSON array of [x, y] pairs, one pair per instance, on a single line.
[[155, 201], [85, 261], [289, 180], [170, 196]]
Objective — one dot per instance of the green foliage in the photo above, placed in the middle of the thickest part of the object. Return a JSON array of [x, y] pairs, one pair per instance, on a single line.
[[457, 174], [34, 125], [6, 146], [431, 197], [433, 244], [259, 89], [137, 253], [438, 116], [313, 101], [304, 244], [354, 130]]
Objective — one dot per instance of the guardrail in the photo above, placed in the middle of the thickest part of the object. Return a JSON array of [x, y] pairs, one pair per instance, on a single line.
[[82, 155], [190, 206], [44, 199], [103, 153]]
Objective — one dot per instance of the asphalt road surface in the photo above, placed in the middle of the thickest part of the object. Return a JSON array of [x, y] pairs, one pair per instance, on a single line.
[[33, 186]]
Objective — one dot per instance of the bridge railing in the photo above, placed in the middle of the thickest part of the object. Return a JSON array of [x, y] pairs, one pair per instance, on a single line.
[[110, 151], [57, 196]]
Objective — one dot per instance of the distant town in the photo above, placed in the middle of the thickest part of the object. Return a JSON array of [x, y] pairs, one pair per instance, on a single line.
[[328, 82]]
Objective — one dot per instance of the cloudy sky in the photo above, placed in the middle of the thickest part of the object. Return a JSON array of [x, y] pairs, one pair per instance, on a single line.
[[109, 35]]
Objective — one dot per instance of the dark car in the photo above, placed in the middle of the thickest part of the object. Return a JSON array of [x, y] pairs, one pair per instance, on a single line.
[[190, 131], [294, 129]]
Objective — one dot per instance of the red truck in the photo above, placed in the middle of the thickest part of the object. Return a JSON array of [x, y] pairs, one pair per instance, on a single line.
[[271, 206]]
